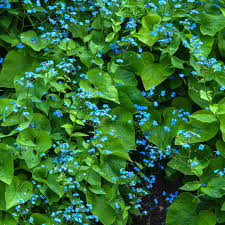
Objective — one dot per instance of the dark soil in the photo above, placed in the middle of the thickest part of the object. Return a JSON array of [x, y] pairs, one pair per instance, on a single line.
[[157, 213]]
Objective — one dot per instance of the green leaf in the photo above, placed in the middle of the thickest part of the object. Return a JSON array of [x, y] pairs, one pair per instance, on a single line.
[[177, 63], [206, 217], [68, 127], [26, 137], [182, 103], [201, 131], [125, 77], [194, 90], [40, 174], [181, 163], [206, 48], [204, 116], [14, 64], [153, 74], [4, 102], [2, 197], [49, 194], [54, 185], [182, 210], [123, 130], [7, 219], [102, 82], [6, 165], [93, 178], [17, 190], [96, 190], [44, 106], [43, 141], [131, 62], [37, 142], [79, 134], [40, 219], [31, 39], [41, 122], [222, 126], [110, 167], [211, 24], [70, 46], [221, 43], [5, 21], [221, 107], [158, 135], [148, 23], [110, 37], [213, 192], [191, 186], [101, 208], [220, 145], [223, 207]]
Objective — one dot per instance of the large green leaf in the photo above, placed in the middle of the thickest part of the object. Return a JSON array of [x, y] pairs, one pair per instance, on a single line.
[[6, 165], [206, 130], [221, 43], [194, 90], [14, 64], [5, 102], [204, 116], [148, 23], [125, 77], [102, 82], [182, 210], [41, 122], [2, 197], [110, 167], [135, 96], [40, 219], [215, 184], [206, 217], [101, 208], [31, 39], [17, 190], [182, 161], [54, 185], [122, 127], [211, 24], [153, 74], [222, 126], [158, 134], [36, 142], [7, 219]]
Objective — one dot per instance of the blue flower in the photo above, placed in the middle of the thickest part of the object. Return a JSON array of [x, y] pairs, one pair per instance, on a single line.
[[201, 147], [195, 163]]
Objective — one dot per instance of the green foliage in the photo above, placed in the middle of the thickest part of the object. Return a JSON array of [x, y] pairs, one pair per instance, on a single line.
[[96, 93], [182, 211]]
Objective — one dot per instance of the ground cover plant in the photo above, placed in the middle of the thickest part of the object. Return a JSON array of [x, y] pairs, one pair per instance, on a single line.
[[99, 95]]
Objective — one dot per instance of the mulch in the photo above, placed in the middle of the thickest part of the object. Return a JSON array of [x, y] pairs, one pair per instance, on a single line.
[[157, 213]]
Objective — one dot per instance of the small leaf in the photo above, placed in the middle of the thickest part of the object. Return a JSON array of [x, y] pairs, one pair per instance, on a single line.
[[79, 134], [191, 186], [109, 37]]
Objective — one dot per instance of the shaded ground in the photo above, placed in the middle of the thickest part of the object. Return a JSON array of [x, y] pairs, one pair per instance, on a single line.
[[157, 214]]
